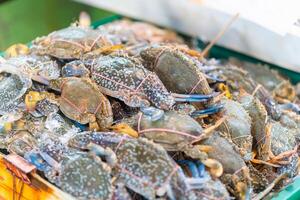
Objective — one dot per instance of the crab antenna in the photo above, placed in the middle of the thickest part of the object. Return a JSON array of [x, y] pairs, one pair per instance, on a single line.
[[219, 35]]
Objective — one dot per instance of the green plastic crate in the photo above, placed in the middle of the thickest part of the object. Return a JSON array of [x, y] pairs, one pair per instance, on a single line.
[[290, 192]]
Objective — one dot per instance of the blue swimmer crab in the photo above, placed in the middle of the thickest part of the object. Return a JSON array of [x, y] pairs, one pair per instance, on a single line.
[[238, 127], [236, 173], [237, 78], [177, 132], [131, 33], [20, 142], [13, 86], [282, 148], [77, 105], [291, 120], [259, 119], [34, 65], [143, 166], [83, 175], [178, 71], [125, 78], [280, 88], [72, 42]]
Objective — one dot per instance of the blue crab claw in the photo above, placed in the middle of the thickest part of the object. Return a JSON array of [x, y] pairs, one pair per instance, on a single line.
[[82, 127], [201, 168], [194, 97], [208, 111], [107, 153], [153, 113], [35, 159], [191, 166], [290, 106], [51, 161]]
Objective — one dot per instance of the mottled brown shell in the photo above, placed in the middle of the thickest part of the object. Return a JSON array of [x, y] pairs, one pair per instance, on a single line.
[[171, 130], [82, 101], [238, 125], [69, 43], [178, 71]]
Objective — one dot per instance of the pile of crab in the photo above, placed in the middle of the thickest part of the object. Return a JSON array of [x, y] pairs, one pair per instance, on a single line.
[[132, 111]]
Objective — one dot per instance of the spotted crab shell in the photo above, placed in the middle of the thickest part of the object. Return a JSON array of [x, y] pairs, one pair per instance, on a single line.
[[144, 167], [126, 79], [86, 177], [12, 88], [69, 43]]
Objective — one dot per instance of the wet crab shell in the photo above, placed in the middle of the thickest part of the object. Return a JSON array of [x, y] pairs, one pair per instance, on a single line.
[[20, 142], [170, 130], [237, 78], [81, 99], [212, 189], [86, 177], [283, 140], [259, 117], [131, 33], [143, 166], [238, 125], [291, 120], [224, 152], [178, 71], [69, 43], [36, 65], [270, 79], [13, 86], [126, 79]]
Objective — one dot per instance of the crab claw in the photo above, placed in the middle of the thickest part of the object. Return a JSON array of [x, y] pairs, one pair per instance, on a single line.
[[208, 111], [290, 106], [153, 113], [193, 97], [215, 167], [192, 167], [35, 159], [107, 153], [201, 168]]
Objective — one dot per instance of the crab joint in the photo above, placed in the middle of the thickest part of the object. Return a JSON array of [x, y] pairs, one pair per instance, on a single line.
[[31, 100], [125, 129], [224, 88], [215, 167]]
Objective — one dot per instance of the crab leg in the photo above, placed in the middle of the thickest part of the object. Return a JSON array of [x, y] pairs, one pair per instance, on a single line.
[[286, 154], [193, 97], [40, 79], [191, 166], [208, 111], [107, 153], [201, 168]]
